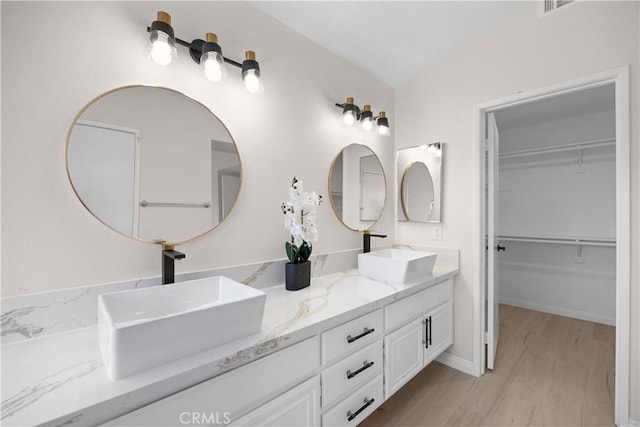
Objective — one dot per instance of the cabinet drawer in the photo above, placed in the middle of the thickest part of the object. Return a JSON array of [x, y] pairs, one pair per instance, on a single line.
[[407, 309], [357, 406], [352, 336], [232, 394], [350, 373]]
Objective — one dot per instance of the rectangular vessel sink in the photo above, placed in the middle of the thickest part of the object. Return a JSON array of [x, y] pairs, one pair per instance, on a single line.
[[396, 265], [143, 328]]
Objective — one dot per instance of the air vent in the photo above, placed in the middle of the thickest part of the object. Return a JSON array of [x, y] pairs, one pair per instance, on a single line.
[[550, 5]]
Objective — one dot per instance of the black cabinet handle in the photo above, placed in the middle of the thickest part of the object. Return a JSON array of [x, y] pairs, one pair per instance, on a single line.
[[367, 403], [367, 331], [425, 322], [430, 322], [501, 248], [365, 365]]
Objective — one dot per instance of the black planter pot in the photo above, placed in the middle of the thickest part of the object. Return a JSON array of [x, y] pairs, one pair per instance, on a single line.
[[297, 276]]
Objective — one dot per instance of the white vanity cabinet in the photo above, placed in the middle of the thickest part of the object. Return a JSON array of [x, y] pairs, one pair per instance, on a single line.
[[420, 328], [228, 397], [298, 407], [352, 360]]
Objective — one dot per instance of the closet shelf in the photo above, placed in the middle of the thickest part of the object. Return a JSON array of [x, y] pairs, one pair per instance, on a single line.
[[583, 241], [559, 148]]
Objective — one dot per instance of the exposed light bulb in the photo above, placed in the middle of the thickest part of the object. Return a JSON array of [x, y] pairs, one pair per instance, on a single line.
[[252, 82], [367, 124], [366, 119], [383, 124], [213, 66], [349, 117], [162, 48]]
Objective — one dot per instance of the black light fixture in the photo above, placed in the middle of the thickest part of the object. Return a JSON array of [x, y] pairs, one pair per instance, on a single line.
[[207, 53], [351, 114], [382, 124]]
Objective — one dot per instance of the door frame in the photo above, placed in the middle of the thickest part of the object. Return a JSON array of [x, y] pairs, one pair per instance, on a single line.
[[620, 78]]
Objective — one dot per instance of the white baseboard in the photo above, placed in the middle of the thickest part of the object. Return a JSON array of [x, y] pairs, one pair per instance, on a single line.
[[634, 423], [458, 363], [560, 311]]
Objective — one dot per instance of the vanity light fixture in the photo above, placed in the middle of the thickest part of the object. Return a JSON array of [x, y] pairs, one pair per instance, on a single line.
[[382, 124], [207, 53], [351, 114]]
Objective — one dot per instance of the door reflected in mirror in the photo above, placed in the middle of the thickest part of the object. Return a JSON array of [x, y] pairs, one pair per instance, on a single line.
[[358, 187], [420, 178], [152, 163]]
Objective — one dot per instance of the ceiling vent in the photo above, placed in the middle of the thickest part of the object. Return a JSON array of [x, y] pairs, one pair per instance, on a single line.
[[551, 5]]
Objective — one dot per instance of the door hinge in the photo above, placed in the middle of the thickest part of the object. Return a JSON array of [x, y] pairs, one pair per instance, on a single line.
[[486, 338]]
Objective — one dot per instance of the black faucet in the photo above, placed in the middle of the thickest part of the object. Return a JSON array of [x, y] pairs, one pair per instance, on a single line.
[[169, 255], [366, 244]]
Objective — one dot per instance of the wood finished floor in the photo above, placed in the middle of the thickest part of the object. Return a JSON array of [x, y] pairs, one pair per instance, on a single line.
[[550, 371]]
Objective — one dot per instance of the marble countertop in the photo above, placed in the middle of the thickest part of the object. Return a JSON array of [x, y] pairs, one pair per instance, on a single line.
[[60, 379]]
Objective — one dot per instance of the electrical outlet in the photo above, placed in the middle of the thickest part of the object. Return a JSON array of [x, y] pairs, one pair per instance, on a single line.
[[437, 233]]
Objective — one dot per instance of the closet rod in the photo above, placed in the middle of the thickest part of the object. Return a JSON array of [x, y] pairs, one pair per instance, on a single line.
[[558, 148], [561, 241]]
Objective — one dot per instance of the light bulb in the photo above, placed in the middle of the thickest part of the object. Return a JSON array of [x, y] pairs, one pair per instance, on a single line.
[[367, 124], [383, 124], [162, 48], [366, 118], [213, 66], [252, 82], [349, 117], [251, 73], [383, 130]]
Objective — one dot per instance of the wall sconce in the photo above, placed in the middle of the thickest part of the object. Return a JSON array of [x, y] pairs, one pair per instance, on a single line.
[[208, 53], [351, 114]]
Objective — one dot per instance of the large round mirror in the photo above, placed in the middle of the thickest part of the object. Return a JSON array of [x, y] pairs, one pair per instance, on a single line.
[[153, 164], [358, 187], [417, 194]]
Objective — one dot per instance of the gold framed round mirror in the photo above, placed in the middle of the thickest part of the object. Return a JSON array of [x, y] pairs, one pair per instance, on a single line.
[[153, 164], [416, 193], [357, 187]]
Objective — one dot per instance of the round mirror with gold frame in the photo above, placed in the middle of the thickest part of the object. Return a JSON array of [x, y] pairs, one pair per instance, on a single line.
[[417, 195], [357, 187], [153, 164]]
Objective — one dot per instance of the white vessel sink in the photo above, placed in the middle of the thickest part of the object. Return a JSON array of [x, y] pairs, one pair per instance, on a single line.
[[396, 265], [143, 328]]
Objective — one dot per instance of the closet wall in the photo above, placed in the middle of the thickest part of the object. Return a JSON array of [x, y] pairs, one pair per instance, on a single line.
[[557, 205]]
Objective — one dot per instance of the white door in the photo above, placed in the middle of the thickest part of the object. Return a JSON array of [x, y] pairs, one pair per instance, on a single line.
[[104, 167], [493, 323]]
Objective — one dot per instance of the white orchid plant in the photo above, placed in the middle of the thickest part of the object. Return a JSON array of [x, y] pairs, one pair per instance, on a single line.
[[300, 220]]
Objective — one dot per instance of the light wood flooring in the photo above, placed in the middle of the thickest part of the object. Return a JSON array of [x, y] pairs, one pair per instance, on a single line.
[[549, 371]]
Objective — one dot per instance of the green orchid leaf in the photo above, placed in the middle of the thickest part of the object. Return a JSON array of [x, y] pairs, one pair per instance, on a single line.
[[304, 251]]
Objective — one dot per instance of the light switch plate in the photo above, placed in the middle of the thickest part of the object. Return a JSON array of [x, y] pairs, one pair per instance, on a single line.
[[437, 233]]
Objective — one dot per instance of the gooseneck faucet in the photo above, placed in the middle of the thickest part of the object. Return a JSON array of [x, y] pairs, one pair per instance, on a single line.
[[366, 244], [169, 255]]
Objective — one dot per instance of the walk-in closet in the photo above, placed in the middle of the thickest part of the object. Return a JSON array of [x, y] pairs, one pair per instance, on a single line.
[[557, 205]]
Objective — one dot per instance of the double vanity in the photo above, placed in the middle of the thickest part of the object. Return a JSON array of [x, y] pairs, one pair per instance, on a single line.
[[329, 354]]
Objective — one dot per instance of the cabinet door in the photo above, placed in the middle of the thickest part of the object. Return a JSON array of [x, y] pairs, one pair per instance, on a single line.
[[439, 331], [403, 355], [300, 406]]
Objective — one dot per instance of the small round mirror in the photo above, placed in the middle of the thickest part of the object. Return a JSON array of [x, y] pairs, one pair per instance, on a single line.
[[358, 187], [153, 164], [417, 195]]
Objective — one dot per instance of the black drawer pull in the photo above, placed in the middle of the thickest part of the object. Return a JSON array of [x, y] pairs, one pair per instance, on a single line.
[[430, 333], [367, 331], [365, 365], [367, 403]]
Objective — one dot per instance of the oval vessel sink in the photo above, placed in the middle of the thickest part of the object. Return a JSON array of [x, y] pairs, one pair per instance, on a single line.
[[396, 265], [143, 328]]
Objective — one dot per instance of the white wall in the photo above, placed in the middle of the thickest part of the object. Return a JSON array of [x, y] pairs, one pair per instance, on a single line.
[[58, 56], [526, 53]]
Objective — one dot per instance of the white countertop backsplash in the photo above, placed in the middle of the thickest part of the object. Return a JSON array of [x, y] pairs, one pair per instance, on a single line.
[[52, 371]]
